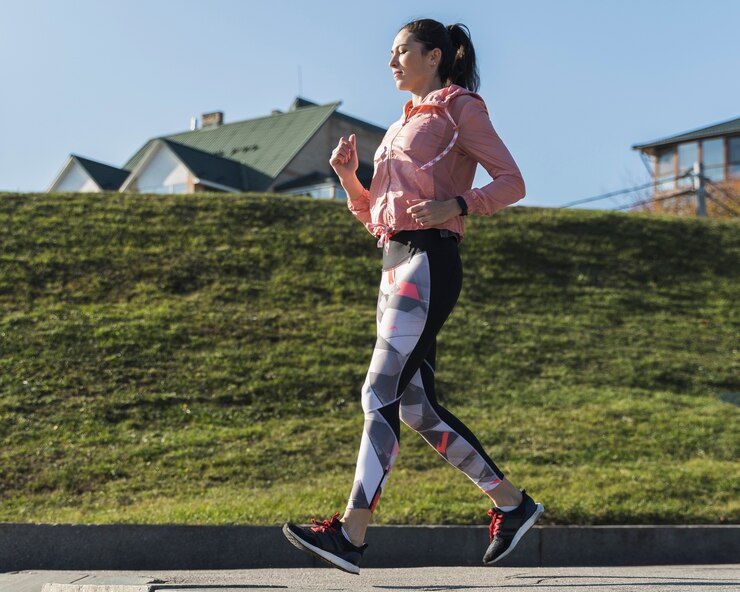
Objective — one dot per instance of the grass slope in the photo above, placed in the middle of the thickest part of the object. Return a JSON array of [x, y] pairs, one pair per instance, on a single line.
[[199, 358]]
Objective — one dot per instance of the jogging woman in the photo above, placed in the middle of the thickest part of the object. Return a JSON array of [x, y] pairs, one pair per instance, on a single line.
[[415, 206]]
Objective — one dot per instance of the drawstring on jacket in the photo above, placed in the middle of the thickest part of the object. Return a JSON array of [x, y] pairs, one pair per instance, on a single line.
[[384, 237]]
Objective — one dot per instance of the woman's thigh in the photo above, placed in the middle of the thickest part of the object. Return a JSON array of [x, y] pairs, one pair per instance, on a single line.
[[414, 300]]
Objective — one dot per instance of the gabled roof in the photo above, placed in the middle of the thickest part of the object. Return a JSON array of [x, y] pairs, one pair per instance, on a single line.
[[106, 176], [265, 145], [223, 173], [208, 167], [731, 126]]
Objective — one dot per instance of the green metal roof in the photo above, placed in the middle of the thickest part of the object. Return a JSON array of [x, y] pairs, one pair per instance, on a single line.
[[265, 145], [300, 102], [106, 176], [731, 126]]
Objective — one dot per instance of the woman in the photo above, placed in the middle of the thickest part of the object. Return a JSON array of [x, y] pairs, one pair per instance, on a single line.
[[421, 189]]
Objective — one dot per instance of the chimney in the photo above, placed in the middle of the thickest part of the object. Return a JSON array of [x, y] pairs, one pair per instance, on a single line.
[[213, 119], [193, 123]]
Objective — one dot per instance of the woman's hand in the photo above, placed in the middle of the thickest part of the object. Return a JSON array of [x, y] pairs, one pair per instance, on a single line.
[[344, 158], [430, 212]]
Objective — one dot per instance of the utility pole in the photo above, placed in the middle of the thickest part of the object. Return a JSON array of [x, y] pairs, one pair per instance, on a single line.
[[701, 202]]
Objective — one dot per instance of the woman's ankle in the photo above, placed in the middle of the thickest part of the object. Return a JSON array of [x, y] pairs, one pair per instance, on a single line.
[[354, 535], [506, 495], [354, 522]]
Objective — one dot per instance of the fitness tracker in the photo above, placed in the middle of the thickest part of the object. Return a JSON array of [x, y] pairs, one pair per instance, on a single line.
[[463, 205]]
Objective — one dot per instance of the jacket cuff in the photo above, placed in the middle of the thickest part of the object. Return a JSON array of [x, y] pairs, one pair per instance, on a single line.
[[360, 204], [474, 201]]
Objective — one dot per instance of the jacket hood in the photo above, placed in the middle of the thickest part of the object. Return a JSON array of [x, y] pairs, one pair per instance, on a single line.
[[441, 97]]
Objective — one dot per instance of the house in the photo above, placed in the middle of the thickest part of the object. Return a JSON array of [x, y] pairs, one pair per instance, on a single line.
[[716, 147], [284, 152]]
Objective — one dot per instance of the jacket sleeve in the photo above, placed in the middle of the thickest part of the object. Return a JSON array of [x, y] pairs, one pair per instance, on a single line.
[[360, 207], [479, 140]]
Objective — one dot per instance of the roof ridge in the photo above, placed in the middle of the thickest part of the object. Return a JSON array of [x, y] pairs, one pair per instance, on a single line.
[[80, 157], [223, 125]]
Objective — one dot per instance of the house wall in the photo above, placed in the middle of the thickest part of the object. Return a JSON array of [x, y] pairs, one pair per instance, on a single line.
[[314, 156], [724, 182], [164, 173], [75, 180]]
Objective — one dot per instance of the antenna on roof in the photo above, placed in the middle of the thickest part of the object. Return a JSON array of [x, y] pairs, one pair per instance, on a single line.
[[193, 123]]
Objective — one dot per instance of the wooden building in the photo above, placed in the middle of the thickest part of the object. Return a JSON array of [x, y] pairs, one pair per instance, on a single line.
[[671, 160]]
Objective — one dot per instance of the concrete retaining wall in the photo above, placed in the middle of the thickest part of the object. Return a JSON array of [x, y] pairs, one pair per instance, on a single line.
[[174, 546]]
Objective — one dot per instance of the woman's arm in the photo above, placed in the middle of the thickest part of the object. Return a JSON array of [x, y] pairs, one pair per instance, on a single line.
[[479, 140]]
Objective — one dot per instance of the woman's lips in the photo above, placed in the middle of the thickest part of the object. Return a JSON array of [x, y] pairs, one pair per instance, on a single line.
[[396, 74]]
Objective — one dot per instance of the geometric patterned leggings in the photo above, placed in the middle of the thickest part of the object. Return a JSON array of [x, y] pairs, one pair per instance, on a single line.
[[420, 283]]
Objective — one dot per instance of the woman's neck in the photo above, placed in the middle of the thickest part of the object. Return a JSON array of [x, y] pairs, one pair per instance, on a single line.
[[417, 96]]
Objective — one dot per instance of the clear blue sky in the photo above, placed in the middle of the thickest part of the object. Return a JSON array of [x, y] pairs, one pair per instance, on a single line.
[[570, 85]]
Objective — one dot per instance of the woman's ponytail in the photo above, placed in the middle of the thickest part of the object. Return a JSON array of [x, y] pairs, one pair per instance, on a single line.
[[463, 70]]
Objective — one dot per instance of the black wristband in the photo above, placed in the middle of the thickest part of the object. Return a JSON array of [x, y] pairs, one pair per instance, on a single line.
[[463, 205]]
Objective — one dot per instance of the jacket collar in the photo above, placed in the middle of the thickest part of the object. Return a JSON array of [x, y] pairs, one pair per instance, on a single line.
[[440, 97]]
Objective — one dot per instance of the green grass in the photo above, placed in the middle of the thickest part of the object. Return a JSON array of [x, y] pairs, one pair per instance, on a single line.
[[199, 359]]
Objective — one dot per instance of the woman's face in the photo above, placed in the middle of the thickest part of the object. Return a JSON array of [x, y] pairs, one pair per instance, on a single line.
[[410, 69]]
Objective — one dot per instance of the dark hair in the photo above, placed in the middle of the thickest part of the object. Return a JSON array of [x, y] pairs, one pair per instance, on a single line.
[[457, 65]]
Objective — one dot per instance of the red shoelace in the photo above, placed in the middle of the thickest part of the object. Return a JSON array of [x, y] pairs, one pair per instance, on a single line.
[[325, 524], [497, 518]]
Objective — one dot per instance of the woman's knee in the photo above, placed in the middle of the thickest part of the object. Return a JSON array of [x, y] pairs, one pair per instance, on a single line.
[[414, 409], [411, 415]]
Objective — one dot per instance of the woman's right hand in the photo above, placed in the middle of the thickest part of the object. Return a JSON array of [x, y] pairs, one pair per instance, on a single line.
[[344, 158]]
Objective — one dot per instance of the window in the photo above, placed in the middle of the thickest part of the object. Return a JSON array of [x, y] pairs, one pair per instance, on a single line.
[[688, 154], [324, 190], [665, 173], [734, 154], [175, 188], [713, 155]]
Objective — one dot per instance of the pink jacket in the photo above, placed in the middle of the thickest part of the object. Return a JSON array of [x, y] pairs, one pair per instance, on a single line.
[[431, 152]]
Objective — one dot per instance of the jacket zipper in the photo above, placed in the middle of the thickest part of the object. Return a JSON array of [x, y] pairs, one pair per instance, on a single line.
[[390, 158]]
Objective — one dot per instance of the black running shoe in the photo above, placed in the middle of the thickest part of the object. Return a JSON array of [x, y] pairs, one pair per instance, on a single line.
[[326, 541], [507, 528]]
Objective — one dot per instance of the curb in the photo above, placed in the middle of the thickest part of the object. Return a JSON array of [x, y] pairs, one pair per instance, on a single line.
[[177, 546], [99, 588]]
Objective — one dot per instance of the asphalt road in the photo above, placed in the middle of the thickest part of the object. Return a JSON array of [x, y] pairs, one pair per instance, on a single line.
[[706, 578]]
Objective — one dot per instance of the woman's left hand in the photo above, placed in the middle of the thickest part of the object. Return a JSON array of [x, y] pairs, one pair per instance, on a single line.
[[429, 212]]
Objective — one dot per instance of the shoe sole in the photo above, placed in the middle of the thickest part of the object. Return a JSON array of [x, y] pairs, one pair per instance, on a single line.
[[325, 556], [520, 533]]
